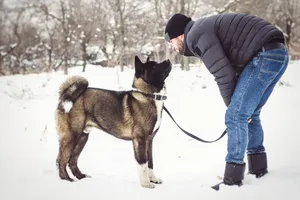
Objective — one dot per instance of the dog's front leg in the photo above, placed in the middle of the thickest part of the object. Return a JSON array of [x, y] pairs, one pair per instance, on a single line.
[[140, 151], [152, 177]]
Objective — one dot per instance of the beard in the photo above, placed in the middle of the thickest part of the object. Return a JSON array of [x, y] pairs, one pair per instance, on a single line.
[[180, 48]]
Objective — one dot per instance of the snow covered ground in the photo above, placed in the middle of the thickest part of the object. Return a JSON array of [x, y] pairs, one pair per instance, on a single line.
[[28, 142]]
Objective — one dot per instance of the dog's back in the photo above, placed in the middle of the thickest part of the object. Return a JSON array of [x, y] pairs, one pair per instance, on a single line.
[[80, 107]]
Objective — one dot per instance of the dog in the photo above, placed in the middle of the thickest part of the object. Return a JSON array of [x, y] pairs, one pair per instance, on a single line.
[[132, 115]]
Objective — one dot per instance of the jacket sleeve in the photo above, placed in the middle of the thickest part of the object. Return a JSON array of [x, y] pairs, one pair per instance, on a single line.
[[210, 50]]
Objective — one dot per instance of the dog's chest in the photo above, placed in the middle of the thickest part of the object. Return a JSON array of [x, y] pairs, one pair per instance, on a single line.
[[159, 106]]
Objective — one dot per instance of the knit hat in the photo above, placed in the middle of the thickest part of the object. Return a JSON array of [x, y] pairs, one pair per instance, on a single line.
[[175, 26]]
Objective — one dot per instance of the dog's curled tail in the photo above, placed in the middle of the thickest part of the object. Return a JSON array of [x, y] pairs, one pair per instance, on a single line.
[[70, 90]]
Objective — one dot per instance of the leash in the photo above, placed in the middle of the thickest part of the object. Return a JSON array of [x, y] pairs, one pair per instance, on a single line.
[[191, 135]]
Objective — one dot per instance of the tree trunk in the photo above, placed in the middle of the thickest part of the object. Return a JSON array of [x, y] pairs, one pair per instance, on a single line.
[[66, 68], [182, 62], [182, 10], [84, 56], [49, 60], [187, 64], [167, 51], [84, 65], [122, 27], [289, 23]]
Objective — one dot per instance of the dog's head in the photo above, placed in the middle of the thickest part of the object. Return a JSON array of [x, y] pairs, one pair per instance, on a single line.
[[151, 75]]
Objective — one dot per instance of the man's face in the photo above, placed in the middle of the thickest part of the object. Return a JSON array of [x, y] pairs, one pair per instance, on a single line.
[[178, 44]]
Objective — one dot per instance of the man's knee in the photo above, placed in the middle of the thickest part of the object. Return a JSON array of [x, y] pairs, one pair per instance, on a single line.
[[233, 115], [229, 114]]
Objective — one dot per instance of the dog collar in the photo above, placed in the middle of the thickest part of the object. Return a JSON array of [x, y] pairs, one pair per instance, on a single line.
[[153, 96]]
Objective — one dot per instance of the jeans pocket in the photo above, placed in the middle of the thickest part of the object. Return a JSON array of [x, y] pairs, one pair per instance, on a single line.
[[269, 69]]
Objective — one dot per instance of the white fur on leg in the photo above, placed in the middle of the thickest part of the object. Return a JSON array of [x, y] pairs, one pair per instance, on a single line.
[[67, 105], [159, 106], [87, 130], [144, 175], [153, 178]]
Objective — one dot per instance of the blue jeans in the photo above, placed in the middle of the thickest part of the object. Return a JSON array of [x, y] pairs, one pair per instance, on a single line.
[[252, 91]]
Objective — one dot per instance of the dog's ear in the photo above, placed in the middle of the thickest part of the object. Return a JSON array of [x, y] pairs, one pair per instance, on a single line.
[[137, 62], [139, 66]]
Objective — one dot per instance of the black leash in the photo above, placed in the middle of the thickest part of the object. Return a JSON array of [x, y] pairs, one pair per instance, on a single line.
[[191, 135]]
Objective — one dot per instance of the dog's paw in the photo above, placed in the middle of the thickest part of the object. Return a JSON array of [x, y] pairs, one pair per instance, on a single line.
[[155, 180], [87, 176], [71, 180], [148, 185], [68, 179], [82, 176]]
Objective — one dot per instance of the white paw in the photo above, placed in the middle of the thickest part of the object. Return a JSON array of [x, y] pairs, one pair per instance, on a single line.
[[88, 176], [144, 176], [153, 178], [148, 185]]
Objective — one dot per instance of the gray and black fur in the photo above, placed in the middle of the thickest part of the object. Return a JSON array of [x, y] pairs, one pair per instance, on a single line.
[[127, 115]]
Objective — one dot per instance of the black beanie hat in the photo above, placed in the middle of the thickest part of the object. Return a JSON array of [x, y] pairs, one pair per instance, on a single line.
[[175, 26]]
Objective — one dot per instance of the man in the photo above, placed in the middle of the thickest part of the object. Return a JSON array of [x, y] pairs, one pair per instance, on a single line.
[[247, 56]]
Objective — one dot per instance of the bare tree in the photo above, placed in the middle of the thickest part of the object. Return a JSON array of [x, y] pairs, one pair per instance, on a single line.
[[86, 19], [48, 35], [49, 45], [9, 48], [63, 17], [286, 15], [119, 33]]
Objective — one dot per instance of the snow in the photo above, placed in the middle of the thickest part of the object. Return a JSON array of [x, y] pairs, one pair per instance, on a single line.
[[28, 142]]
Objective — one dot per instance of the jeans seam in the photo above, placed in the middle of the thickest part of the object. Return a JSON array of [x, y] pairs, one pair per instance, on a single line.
[[272, 54], [276, 60], [262, 71], [284, 65], [269, 52], [239, 109]]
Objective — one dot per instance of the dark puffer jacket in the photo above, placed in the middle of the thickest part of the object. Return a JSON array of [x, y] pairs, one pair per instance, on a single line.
[[226, 43]]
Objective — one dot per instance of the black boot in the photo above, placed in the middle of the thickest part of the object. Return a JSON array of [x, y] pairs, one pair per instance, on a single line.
[[234, 174], [257, 164]]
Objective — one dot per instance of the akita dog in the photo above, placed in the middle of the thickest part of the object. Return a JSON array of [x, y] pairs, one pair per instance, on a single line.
[[133, 115]]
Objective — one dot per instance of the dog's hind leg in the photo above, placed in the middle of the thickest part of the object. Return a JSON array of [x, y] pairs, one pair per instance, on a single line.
[[81, 141], [152, 177], [66, 146], [140, 153]]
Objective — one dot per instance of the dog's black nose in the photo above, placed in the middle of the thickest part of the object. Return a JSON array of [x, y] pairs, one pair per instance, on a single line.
[[168, 61]]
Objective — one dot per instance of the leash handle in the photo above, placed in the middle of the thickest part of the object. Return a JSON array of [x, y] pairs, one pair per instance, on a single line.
[[191, 135]]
